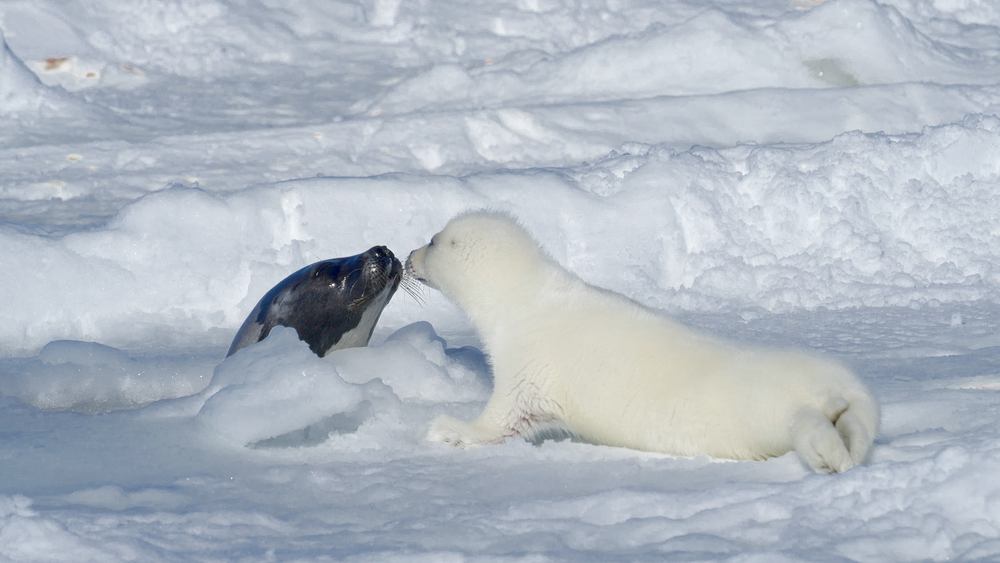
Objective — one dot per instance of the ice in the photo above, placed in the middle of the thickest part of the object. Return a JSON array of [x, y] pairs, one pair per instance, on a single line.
[[859, 220], [24, 535], [19, 88], [809, 173], [319, 399], [305, 390], [92, 377]]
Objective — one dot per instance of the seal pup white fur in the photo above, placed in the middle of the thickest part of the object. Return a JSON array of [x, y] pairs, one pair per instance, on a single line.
[[614, 372]]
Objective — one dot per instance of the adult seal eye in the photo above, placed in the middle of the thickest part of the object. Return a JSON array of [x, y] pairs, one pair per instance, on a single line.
[[380, 252]]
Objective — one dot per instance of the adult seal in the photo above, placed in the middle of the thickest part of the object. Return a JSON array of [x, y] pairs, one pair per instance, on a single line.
[[331, 304]]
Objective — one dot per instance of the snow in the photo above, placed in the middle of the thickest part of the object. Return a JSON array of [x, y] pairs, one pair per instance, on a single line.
[[811, 173]]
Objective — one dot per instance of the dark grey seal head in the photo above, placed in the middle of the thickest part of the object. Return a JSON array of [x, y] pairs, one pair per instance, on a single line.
[[332, 304]]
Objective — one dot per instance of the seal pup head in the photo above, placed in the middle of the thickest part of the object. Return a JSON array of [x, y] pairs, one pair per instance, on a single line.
[[331, 304], [481, 258]]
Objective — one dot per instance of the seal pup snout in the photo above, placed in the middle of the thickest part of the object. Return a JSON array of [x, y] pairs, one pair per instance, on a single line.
[[414, 266]]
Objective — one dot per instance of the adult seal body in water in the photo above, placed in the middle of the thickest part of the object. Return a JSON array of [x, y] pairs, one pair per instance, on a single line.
[[332, 304]]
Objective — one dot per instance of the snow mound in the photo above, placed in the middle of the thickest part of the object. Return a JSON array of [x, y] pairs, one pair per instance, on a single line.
[[307, 399], [91, 377], [897, 220], [298, 391]]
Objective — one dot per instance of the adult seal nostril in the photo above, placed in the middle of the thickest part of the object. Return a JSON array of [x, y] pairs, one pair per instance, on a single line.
[[331, 304]]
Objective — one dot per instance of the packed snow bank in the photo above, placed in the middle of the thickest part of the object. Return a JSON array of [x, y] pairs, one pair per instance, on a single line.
[[19, 89], [174, 36], [387, 60], [31, 110], [862, 220], [78, 186], [973, 15], [838, 44]]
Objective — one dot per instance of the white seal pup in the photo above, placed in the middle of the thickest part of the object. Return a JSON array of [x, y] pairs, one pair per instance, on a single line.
[[612, 371]]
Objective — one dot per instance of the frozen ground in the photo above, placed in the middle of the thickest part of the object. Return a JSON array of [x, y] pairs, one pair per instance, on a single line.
[[791, 172]]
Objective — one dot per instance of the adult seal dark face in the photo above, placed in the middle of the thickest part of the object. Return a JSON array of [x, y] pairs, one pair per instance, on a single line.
[[332, 304]]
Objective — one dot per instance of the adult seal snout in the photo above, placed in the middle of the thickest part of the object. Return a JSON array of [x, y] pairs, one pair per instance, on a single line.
[[332, 304]]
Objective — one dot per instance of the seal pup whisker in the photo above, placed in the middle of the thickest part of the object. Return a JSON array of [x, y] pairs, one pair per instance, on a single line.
[[413, 288]]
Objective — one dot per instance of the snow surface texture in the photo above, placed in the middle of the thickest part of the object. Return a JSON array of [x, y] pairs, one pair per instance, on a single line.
[[790, 172]]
